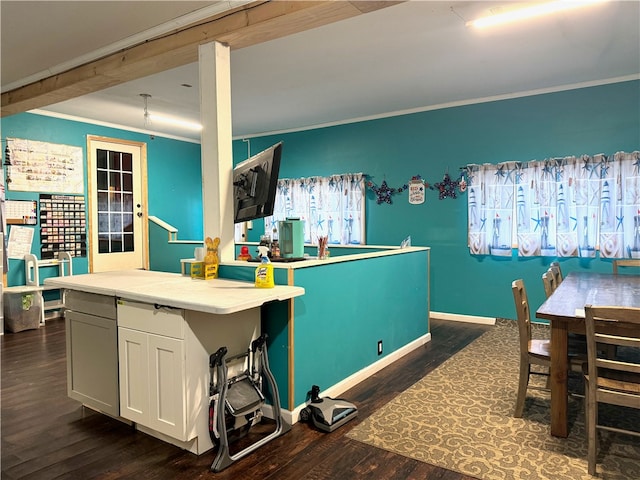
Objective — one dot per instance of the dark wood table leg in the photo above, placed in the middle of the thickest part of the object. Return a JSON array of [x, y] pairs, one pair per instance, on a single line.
[[559, 372]]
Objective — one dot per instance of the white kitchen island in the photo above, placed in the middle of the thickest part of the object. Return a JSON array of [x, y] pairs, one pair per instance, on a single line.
[[138, 344]]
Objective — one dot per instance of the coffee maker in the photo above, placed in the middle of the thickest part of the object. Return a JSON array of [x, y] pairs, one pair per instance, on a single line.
[[291, 238]]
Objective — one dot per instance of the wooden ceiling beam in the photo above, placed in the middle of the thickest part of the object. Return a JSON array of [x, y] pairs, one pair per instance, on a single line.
[[244, 26]]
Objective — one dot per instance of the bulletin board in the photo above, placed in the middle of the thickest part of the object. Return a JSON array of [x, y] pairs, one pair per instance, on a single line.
[[63, 226], [34, 166]]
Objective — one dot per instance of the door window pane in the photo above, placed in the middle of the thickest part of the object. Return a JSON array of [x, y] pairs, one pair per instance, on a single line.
[[127, 223], [127, 162], [101, 158], [114, 181], [114, 160], [127, 182], [102, 182], [116, 202], [127, 202], [128, 242]]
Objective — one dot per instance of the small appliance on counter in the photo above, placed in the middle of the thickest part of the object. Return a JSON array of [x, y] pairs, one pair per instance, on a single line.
[[291, 238]]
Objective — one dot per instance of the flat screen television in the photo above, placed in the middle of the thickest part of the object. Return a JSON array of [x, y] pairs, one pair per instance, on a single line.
[[255, 182]]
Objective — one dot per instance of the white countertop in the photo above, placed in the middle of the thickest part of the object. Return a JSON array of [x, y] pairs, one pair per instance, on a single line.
[[218, 296], [315, 262]]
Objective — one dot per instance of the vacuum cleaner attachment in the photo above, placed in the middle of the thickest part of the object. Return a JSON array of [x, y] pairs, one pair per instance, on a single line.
[[327, 414]]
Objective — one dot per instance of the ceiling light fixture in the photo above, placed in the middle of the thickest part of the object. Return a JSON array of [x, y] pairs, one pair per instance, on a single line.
[[145, 99], [529, 11], [166, 119], [176, 122]]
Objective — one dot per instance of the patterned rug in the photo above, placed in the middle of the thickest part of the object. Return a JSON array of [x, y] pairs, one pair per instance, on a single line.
[[460, 417]]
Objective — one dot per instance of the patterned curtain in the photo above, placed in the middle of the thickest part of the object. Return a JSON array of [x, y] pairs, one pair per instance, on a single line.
[[490, 208], [545, 208], [331, 206], [587, 200], [564, 207], [620, 205]]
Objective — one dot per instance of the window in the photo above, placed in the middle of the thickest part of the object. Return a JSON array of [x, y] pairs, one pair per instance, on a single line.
[[330, 206], [560, 207]]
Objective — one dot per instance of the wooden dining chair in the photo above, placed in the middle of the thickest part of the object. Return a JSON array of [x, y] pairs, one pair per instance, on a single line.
[[626, 262], [532, 351], [557, 272], [612, 381], [549, 282]]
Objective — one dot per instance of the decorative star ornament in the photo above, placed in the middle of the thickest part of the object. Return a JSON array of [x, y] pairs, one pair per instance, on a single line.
[[447, 187], [383, 193]]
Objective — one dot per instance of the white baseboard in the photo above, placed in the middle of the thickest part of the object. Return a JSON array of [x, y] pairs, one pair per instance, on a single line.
[[462, 318], [351, 381]]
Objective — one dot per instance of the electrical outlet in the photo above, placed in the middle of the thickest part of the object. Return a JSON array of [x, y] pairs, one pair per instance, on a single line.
[[379, 347]]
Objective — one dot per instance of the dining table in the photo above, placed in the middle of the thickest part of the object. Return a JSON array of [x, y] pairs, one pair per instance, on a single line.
[[564, 309]]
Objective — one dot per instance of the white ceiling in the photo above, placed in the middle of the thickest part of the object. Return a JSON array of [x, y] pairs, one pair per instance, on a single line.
[[412, 56]]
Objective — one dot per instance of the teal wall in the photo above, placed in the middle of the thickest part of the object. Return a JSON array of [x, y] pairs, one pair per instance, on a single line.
[[602, 119], [173, 171]]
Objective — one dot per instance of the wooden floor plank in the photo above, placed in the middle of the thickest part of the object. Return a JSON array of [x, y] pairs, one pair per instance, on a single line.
[[46, 435]]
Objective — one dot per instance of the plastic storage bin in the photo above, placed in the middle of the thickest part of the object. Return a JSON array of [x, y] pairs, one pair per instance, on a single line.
[[22, 310]]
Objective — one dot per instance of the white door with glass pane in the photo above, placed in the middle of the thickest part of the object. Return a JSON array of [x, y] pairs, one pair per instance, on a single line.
[[117, 204]]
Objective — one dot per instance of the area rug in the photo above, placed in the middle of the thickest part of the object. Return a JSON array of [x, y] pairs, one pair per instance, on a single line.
[[460, 417]]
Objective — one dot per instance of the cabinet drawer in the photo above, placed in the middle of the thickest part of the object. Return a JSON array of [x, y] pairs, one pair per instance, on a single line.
[[147, 318], [90, 303]]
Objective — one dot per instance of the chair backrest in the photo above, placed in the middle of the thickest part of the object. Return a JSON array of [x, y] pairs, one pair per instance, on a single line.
[[549, 282], [523, 314], [627, 262], [557, 272], [618, 326]]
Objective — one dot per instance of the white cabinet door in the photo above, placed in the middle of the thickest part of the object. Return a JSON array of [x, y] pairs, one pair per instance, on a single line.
[[133, 352], [92, 361], [152, 381], [167, 386]]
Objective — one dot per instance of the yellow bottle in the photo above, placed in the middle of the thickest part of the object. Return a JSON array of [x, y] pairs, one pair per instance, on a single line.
[[264, 272]]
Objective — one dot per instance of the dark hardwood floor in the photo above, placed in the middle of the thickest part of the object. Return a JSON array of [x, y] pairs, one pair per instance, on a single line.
[[46, 435]]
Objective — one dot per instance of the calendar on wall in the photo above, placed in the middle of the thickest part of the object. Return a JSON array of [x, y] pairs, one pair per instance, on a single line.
[[63, 225], [21, 212]]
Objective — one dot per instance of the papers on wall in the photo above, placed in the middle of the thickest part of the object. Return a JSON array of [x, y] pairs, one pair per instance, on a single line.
[[21, 212], [20, 239], [44, 167]]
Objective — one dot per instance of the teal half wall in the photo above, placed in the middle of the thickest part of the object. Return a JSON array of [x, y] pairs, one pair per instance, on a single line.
[[348, 307], [600, 119], [173, 176]]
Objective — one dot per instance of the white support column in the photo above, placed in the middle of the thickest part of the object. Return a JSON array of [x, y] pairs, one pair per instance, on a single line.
[[216, 145]]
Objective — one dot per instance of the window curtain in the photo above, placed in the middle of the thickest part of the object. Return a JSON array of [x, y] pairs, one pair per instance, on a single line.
[[546, 208], [569, 206], [490, 208], [620, 205], [330, 206]]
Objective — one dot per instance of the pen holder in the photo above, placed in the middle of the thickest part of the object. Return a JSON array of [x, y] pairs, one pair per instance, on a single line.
[[323, 251]]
